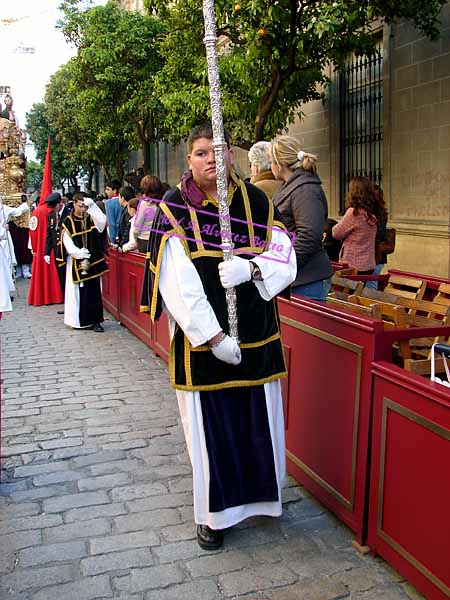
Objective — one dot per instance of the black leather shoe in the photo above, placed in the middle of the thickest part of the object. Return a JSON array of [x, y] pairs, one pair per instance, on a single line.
[[98, 328], [209, 539], [59, 312]]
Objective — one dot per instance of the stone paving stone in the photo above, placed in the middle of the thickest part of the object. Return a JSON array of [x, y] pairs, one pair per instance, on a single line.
[[176, 533], [225, 562], [56, 477], [66, 453], [163, 501], [27, 523], [131, 492], [254, 579], [359, 579], [386, 593], [116, 561], [61, 443], [24, 579], [183, 484], [114, 543], [12, 511], [98, 457], [19, 449], [183, 550], [322, 589], [105, 481], [85, 529], [90, 512], [15, 541], [154, 518], [206, 590], [325, 564], [89, 588], [149, 578], [39, 555], [63, 503]]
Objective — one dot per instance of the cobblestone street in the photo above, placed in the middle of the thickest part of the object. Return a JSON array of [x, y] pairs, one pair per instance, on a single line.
[[96, 492]]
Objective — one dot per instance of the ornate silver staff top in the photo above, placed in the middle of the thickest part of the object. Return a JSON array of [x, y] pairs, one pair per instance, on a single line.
[[220, 146]]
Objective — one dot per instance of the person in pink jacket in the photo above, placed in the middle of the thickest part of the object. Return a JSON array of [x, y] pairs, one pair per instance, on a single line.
[[358, 227]]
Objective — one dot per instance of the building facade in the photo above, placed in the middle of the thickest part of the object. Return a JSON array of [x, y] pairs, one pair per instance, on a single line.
[[388, 117]]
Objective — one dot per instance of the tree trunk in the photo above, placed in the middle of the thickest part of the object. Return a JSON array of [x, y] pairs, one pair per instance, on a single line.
[[146, 155], [90, 169]]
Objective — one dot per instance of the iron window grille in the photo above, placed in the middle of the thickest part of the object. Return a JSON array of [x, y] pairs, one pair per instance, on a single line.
[[361, 119]]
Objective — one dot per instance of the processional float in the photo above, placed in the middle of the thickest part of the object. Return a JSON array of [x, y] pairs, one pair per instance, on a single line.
[[12, 161]]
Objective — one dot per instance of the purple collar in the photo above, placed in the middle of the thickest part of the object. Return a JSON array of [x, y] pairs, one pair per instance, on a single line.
[[190, 190]]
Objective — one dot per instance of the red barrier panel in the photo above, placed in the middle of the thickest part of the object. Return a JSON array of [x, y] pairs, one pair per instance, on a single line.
[[110, 285], [409, 517], [121, 290], [328, 403]]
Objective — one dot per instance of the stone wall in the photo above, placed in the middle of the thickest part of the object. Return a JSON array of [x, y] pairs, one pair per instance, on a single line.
[[418, 128]]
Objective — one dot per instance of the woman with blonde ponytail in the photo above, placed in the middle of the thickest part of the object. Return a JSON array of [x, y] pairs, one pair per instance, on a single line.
[[304, 210]]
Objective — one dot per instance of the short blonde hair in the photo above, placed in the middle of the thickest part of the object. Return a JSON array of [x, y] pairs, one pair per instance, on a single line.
[[286, 151], [258, 155]]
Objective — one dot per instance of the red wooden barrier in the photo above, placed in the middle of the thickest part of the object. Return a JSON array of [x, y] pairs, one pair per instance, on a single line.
[[121, 291], [110, 285], [409, 518], [328, 403]]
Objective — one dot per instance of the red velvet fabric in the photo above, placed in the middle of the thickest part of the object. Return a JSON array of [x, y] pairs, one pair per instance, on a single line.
[[44, 286]]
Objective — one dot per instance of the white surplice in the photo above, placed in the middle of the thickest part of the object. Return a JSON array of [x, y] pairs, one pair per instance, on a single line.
[[6, 281], [186, 303], [72, 291]]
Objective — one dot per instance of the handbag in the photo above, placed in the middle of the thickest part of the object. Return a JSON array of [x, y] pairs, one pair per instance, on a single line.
[[387, 246]]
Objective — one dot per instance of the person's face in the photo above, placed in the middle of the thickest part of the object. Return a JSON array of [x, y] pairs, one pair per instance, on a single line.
[[131, 211], [202, 163], [122, 201], [110, 192], [79, 208], [8, 101], [254, 169]]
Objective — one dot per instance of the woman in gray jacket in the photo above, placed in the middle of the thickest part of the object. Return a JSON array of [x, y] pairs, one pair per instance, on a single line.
[[304, 210]]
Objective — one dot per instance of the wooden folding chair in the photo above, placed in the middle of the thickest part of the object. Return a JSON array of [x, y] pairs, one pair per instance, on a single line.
[[347, 286], [406, 287], [368, 311]]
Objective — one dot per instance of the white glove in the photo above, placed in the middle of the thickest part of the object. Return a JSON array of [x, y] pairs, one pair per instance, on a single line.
[[228, 351], [235, 271], [47, 259], [81, 253], [88, 202]]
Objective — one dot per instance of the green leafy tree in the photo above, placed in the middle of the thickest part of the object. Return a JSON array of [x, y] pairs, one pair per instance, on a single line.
[[273, 56], [63, 111], [111, 81], [34, 174], [40, 129]]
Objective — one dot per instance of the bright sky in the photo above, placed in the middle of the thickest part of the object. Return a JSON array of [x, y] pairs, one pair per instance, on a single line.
[[30, 24]]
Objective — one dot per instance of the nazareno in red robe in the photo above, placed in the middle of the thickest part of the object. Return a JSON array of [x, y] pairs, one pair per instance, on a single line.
[[44, 286]]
